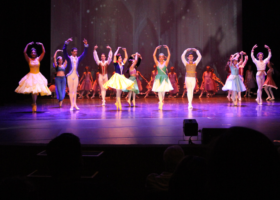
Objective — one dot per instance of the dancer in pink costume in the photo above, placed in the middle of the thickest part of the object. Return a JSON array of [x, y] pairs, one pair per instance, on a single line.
[[96, 86], [86, 83], [207, 84], [269, 83], [250, 81], [151, 83], [261, 65], [174, 81]]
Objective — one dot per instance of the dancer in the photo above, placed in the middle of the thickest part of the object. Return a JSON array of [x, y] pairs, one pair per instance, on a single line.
[[151, 83], [73, 75], [269, 83], [174, 82], [250, 81], [138, 75], [190, 72], [60, 80], [133, 73], [34, 82], [86, 83], [207, 84], [241, 70], [234, 82], [261, 65], [162, 83], [96, 86], [103, 70], [118, 81], [216, 82]]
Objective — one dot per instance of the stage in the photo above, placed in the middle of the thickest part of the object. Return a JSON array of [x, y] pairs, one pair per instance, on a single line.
[[140, 125]]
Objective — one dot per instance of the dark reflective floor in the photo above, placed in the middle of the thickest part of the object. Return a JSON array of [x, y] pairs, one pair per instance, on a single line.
[[143, 124]]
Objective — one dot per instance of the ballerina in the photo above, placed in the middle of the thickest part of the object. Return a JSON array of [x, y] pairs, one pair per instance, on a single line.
[[190, 72], [174, 82], [261, 65], [234, 82], [118, 81], [86, 83], [151, 83], [60, 80], [133, 73], [103, 70], [269, 83], [162, 83], [207, 84], [250, 81], [216, 82], [34, 82], [73, 75]]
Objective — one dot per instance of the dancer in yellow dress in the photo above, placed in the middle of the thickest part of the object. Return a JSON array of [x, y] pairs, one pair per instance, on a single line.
[[118, 80], [34, 82]]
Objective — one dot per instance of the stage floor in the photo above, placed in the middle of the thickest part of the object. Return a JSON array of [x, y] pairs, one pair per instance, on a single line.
[[143, 124]]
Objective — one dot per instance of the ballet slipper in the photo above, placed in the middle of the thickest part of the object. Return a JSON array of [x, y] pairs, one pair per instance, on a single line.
[[80, 97], [77, 107], [34, 108], [60, 104], [117, 105], [103, 102], [228, 97], [133, 102], [268, 98], [128, 101], [190, 107], [93, 96], [271, 99], [120, 106], [71, 108]]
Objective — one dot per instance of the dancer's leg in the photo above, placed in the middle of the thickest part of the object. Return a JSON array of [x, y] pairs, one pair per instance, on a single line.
[[201, 94], [260, 85], [190, 84], [234, 97], [70, 86], [271, 93], [75, 84], [239, 96], [129, 97], [134, 97], [34, 100], [118, 99], [267, 92], [249, 92]]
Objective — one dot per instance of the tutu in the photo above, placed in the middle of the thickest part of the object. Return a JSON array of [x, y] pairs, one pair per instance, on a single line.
[[162, 84], [118, 82], [234, 83], [86, 85], [52, 88], [269, 82], [95, 86], [134, 88], [33, 83]]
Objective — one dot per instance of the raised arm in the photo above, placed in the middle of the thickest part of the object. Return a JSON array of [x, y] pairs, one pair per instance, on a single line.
[[241, 59], [134, 61], [65, 54], [65, 63], [115, 55], [54, 57], [252, 54], [25, 51], [154, 55], [244, 62], [125, 55], [142, 76], [95, 55], [183, 57], [269, 53], [198, 56], [43, 51], [82, 78], [109, 60], [168, 55], [85, 50]]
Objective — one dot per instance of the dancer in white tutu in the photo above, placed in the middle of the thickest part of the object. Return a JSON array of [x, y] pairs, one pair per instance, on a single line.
[[34, 82], [162, 83], [234, 82]]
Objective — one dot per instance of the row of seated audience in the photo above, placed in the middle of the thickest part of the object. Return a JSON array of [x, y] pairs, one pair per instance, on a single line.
[[242, 164]]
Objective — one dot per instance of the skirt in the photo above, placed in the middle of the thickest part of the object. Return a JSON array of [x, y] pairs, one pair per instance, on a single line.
[[175, 86], [95, 86], [134, 88], [118, 82], [162, 84], [33, 84], [86, 85], [234, 83], [52, 88], [269, 82]]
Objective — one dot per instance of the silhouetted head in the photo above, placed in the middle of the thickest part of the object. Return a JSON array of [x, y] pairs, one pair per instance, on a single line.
[[33, 53], [172, 69], [103, 57], [59, 60], [74, 51], [208, 68], [260, 56], [172, 156], [155, 66], [87, 69], [243, 163]]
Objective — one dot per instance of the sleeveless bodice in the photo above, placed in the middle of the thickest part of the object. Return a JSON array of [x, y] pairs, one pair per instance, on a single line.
[[60, 69], [234, 70], [132, 72], [190, 70], [161, 71], [34, 66]]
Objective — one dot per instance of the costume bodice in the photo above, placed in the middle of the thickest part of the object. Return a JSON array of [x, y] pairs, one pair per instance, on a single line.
[[60, 69], [190, 70], [234, 70], [133, 72], [34, 65], [161, 71]]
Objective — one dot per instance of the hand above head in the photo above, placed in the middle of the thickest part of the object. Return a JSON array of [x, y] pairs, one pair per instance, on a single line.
[[95, 47], [30, 43], [85, 41], [158, 47], [194, 49], [39, 43], [124, 49], [165, 46], [265, 46], [69, 40], [59, 50], [255, 46], [108, 47]]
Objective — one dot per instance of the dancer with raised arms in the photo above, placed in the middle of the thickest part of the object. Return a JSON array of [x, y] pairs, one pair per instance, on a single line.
[[34, 82], [261, 65], [162, 83], [102, 69], [73, 75], [118, 80], [190, 72]]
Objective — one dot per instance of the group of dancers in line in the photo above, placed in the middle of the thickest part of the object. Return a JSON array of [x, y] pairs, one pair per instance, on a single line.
[[35, 83]]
